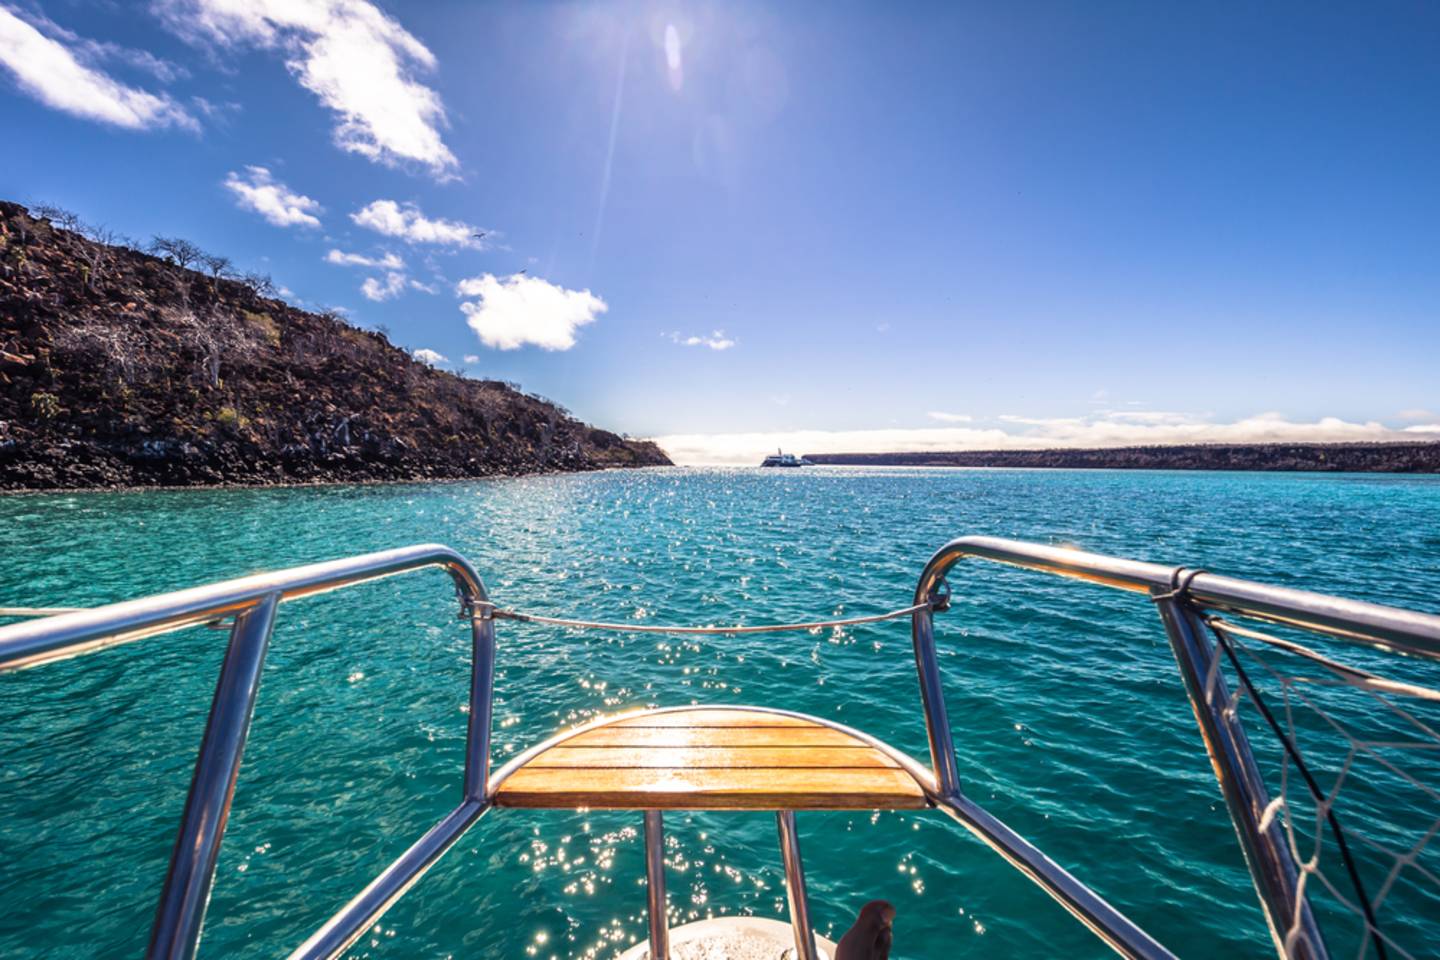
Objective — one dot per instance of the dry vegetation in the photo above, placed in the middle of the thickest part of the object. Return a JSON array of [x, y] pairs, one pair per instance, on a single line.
[[125, 366]]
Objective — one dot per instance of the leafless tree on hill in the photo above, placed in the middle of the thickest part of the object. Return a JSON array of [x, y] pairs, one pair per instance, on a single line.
[[59, 216], [109, 342], [260, 284], [177, 250], [98, 253], [217, 267], [214, 338]]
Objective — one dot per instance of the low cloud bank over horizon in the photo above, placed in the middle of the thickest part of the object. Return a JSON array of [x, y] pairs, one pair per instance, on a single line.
[[1118, 429]]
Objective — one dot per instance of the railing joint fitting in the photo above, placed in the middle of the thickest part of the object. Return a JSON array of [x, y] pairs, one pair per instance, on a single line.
[[939, 598]]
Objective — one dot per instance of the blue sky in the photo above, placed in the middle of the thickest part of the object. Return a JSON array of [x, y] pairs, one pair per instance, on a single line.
[[823, 225]]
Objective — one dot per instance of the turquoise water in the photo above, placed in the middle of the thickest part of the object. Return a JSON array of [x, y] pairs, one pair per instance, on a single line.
[[1068, 715]]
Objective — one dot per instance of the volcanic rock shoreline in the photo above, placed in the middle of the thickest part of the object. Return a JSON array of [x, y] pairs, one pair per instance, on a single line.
[[123, 369], [1381, 457]]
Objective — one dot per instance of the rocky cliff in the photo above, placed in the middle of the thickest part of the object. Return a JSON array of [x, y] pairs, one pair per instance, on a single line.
[[119, 368]]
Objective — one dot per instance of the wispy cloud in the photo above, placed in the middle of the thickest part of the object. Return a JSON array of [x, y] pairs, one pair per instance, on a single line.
[[944, 417], [103, 51], [715, 341], [395, 281], [360, 63], [378, 290], [388, 262], [406, 222], [1158, 417], [510, 312], [59, 70], [1031, 433], [257, 190], [432, 357]]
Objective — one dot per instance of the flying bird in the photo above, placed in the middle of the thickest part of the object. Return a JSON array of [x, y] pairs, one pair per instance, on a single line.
[[870, 937]]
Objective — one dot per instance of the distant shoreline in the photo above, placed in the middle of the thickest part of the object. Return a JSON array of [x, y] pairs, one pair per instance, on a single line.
[[1383, 457], [308, 484]]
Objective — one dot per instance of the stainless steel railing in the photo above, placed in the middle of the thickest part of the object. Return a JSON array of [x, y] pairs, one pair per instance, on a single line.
[[253, 602], [1182, 595]]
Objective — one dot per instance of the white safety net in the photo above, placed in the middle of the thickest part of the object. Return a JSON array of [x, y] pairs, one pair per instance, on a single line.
[[1348, 743]]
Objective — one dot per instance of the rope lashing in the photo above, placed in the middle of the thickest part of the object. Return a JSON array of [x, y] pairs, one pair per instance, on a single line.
[[1180, 580], [502, 614]]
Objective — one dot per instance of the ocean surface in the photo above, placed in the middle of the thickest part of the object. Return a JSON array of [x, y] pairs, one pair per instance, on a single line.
[[1068, 714]]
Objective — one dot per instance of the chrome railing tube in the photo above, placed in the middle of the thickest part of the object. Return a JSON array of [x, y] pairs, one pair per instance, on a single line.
[[482, 697], [252, 601], [1388, 628], [370, 904], [1109, 924], [1272, 868], [800, 924], [71, 634], [655, 902], [178, 919], [932, 698], [1291, 922]]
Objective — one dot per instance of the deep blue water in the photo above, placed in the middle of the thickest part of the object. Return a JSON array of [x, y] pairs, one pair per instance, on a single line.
[[1068, 715]]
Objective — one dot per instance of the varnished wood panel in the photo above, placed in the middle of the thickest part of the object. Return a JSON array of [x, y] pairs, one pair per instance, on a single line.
[[703, 757], [706, 759], [789, 788], [702, 717], [738, 737]]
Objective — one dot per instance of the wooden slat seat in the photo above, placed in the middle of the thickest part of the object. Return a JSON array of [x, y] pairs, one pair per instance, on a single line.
[[711, 759]]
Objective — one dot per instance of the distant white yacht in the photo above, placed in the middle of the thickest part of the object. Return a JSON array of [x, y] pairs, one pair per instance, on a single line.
[[782, 459]]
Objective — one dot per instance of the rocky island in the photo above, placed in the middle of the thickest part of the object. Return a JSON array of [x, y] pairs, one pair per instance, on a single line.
[[1397, 457], [122, 367]]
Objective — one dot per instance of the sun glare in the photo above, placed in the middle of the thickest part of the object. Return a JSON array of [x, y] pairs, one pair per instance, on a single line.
[[673, 65]]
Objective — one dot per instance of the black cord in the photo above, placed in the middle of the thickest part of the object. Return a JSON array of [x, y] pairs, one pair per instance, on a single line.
[[1371, 924]]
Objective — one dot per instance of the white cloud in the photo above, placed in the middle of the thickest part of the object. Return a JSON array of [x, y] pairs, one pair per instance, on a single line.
[[1151, 416], [944, 417], [388, 262], [1031, 433], [96, 51], [407, 223], [277, 203], [716, 341], [471, 358], [432, 357], [511, 312], [360, 63], [375, 289], [395, 281], [58, 76]]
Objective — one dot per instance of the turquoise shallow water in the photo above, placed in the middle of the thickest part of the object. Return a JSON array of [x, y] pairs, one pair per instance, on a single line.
[[1069, 717]]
